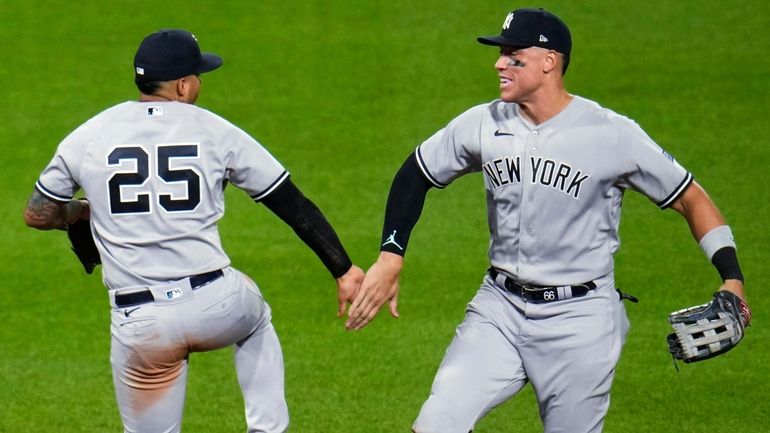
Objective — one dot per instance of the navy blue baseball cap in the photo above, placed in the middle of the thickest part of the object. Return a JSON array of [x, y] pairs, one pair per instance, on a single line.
[[531, 27], [171, 54]]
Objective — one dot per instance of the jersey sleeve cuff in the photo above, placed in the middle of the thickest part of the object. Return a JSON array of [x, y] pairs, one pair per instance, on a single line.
[[426, 172], [272, 187], [678, 191], [50, 194]]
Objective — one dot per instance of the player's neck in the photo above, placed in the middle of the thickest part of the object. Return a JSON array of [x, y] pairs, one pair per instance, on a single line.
[[545, 106], [157, 97]]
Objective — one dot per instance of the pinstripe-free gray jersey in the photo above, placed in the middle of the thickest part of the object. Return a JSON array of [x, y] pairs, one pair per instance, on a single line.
[[553, 190], [154, 175]]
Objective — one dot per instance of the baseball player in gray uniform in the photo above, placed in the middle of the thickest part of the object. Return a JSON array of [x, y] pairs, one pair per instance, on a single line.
[[154, 173], [555, 167]]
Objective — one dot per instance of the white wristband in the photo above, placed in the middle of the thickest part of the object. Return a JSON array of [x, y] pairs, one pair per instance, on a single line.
[[716, 239]]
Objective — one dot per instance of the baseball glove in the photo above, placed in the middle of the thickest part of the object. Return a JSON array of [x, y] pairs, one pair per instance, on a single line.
[[708, 330], [83, 244]]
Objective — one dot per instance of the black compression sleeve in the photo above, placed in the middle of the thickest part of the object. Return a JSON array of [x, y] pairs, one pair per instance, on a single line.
[[311, 226], [405, 203]]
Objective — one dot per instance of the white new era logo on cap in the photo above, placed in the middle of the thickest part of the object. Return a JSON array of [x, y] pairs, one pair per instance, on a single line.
[[139, 70], [543, 38]]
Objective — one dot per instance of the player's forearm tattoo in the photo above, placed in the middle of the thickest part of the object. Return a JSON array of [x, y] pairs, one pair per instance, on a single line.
[[44, 213]]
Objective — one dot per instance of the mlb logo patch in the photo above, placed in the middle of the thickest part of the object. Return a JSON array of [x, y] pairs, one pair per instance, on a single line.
[[155, 111], [173, 293]]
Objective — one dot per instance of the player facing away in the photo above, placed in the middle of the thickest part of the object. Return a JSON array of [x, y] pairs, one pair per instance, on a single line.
[[153, 172], [555, 167]]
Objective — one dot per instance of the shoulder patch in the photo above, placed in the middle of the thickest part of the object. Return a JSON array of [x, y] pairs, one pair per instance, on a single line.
[[668, 155]]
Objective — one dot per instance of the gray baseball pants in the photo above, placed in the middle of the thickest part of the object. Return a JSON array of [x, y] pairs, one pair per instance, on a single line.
[[567, 349], [151, 345]]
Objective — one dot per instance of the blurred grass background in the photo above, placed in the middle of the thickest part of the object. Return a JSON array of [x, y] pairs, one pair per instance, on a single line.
[[341, 91]]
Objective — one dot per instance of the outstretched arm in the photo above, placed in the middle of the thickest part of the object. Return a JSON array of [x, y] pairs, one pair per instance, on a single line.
[[714, 236], [405, 203], [309, 223]]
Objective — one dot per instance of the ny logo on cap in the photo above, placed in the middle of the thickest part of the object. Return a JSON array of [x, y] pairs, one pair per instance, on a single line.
[[507, 22]]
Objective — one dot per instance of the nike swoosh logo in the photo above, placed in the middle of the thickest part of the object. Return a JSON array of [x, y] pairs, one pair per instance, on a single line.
[[500, 134], [128, 312]]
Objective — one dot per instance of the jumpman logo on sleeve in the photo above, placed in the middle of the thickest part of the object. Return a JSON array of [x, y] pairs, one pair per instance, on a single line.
[[392, 240]]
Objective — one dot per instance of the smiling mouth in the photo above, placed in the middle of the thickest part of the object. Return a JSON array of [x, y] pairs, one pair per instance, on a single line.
[[504, 81]]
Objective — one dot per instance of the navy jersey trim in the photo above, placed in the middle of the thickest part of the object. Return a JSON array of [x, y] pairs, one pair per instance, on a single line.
[[271, 187], [50, 194], [425, 171], [674, 196]]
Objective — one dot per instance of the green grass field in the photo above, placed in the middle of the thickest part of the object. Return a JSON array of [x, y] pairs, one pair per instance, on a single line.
[[341, 91]]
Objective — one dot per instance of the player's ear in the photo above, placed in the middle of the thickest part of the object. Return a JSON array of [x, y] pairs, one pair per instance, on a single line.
[[182, 88], [550, 62], [185, 89]]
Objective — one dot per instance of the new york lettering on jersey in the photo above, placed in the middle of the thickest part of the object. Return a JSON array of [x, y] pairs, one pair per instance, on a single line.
[[562, 176]]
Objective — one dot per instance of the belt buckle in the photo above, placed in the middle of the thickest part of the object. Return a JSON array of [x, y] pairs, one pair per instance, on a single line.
[[527, 291], [539, 294]]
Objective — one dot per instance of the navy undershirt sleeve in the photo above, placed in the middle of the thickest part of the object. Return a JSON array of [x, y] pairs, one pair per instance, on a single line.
[[405, 202], [309, 223]]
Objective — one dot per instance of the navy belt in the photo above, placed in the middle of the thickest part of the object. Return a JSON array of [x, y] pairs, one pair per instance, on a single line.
[[136, 298], [543, 294]]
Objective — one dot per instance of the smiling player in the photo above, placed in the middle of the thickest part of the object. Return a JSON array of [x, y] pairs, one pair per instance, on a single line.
[[555, 167]]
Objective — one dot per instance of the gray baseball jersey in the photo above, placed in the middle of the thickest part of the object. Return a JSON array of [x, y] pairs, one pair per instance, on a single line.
[[553, 190], [154, 173]]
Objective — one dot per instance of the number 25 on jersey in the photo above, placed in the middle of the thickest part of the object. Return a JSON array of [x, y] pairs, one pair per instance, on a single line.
[[138, 177]]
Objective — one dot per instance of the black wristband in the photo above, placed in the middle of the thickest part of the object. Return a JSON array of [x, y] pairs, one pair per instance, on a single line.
[[726, 262]]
